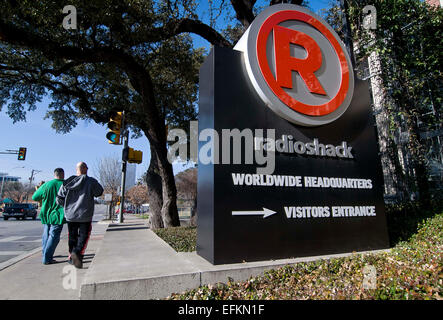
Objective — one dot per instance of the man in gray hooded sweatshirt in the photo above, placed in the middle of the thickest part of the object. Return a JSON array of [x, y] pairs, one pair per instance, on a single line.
[[76, 195]]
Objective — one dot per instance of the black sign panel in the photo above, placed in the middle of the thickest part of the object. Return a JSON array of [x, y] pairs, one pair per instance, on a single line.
[[324, 197]]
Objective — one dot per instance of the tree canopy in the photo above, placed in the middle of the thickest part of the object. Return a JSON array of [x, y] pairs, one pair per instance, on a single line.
[[87, 71], [407, 41], [132, 55]]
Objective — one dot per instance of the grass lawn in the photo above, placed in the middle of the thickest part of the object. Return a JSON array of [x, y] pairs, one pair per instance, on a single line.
[[142, 216], [411, 270]]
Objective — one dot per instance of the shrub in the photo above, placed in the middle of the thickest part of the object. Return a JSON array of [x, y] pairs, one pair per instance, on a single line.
[[411, 270], [182, 239]]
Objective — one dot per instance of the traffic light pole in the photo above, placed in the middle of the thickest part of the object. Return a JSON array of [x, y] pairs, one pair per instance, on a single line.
[[124, 163], [10, 152], [21, 153]]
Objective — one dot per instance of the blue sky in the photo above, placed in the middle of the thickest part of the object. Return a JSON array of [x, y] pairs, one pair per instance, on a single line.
[[203, 9], [48, 150]]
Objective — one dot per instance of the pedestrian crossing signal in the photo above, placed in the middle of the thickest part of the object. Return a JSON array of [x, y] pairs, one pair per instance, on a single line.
[[132, 156], [135, 156], [115, 126], [21, 154]]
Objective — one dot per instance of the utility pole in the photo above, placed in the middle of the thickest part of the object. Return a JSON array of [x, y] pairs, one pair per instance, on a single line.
[[3, 181], [124, 163], [30, 181]]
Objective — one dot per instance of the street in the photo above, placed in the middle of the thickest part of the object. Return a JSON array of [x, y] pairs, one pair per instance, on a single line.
[[18, 237]]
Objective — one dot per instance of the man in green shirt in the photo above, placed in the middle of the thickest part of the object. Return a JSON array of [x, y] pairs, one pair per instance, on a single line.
[[51, 215]]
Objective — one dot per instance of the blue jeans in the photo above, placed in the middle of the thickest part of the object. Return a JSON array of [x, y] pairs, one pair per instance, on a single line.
[[50, 240]]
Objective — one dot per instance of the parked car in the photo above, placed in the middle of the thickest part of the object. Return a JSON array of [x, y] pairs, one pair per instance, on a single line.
[[20, 210], [125, 211]]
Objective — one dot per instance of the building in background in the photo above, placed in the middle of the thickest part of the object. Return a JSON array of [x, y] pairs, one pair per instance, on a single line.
[[131, 170], [6, 178]]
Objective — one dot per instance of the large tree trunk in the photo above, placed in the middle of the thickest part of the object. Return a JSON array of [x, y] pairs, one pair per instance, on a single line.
[[169, 210], [161, 182], [417, 150], [162, 194], [155, 130], [418, 159], [154, 183], [193, 221]]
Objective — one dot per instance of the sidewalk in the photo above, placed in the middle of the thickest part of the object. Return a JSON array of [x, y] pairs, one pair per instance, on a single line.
[[29, 279], [124, 261], [134, 263]]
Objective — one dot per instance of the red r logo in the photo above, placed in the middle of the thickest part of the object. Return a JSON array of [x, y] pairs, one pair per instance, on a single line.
[[284, 63], [298, 65]]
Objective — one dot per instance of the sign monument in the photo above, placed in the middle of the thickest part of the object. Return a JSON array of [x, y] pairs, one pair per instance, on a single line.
[[294, 167]]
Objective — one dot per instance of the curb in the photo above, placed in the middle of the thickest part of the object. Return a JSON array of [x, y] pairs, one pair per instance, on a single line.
[[23, 256], [19, 258], [154, 280]]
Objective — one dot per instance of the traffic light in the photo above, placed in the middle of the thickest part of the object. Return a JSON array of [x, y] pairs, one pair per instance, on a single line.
[[21, 153], [115, 126], [135, 156], [132, 156]]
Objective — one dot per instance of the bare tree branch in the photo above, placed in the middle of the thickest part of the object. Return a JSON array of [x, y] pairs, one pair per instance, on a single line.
[[184, 25], [244, 11]]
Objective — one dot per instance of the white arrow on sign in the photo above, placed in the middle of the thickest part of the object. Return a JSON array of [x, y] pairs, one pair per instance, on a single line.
[[265, 213]]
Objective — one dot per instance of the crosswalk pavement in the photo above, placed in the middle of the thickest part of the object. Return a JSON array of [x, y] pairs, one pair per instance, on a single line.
[[20, 239], [13, 246], [16, 245]]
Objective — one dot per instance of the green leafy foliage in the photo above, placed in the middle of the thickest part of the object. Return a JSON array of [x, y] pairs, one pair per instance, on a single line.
[[132, 56], [182, 239], [80, 69], [407, 42], [411, 270], [404, 218]]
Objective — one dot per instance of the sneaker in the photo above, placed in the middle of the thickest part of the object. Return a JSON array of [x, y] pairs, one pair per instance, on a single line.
[[50, 262], [70, 261], [76, 260]]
